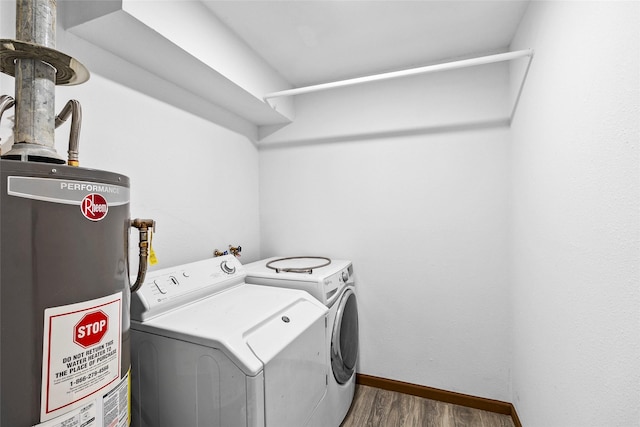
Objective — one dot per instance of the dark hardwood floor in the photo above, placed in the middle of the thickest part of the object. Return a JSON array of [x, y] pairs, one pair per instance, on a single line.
[[374, 407]]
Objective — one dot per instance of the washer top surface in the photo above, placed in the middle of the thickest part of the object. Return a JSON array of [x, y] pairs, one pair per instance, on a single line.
[[221, 311], [229, 320]]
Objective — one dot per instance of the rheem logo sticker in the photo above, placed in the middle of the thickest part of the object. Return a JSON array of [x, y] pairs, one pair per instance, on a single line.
[[94, 207], [91, 329]]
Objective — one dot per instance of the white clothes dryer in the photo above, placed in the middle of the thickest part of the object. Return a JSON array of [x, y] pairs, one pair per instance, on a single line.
[[332, 283], [210, 350]]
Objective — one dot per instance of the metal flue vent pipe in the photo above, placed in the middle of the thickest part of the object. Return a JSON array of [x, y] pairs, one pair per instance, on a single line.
[[37, 68], [35, 82]]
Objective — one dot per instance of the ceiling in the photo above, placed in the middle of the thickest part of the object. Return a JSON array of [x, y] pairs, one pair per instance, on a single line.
[[310, 42]]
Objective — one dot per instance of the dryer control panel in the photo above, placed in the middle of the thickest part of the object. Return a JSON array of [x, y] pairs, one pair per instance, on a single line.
[[169, 288], [334, 284]]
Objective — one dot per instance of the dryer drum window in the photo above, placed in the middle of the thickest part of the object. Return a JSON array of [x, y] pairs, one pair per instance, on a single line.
[[344, 339]]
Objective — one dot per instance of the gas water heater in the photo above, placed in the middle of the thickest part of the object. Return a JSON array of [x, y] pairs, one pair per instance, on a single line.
[[64, 267]]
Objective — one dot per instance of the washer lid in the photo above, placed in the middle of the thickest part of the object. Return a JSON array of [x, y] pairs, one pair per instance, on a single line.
[[228, 320]]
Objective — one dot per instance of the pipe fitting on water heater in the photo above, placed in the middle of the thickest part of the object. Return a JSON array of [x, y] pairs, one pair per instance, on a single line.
[[145, 227]]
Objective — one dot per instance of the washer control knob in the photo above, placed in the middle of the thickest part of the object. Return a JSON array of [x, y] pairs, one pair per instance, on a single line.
[[227, 268]]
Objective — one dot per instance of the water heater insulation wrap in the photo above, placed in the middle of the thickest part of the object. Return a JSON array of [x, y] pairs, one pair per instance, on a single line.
[[64, 295]]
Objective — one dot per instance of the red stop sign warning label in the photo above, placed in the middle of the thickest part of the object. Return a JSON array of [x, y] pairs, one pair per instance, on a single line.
[[94, 206], [91, 329], [81, 356]]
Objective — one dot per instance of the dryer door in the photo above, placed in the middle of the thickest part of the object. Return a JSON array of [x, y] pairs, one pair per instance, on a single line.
[[344, 338]]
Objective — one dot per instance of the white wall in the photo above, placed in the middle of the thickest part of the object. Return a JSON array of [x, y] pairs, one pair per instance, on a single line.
[[198, 180], [575, 211], [413, 189]]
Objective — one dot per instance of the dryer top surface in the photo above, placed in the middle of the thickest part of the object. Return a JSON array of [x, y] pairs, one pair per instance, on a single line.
[[306, 266]]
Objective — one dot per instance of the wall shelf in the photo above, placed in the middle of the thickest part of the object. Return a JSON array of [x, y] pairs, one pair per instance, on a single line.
[[128, 35]]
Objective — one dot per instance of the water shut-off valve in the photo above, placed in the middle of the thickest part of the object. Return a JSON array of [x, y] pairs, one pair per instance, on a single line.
[[145, 227], [234, 250]]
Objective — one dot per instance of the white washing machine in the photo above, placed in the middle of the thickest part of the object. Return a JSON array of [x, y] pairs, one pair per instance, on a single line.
[[332, 283], [207, 349]]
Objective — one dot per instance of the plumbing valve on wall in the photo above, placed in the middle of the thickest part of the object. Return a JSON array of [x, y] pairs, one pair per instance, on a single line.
[[234, 250]]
